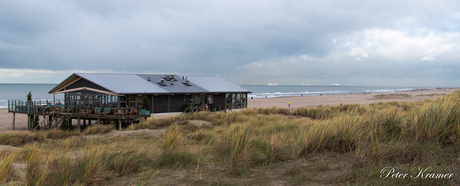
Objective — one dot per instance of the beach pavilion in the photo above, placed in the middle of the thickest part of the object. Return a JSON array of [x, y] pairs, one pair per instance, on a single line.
[[165, 93], [128, 98]]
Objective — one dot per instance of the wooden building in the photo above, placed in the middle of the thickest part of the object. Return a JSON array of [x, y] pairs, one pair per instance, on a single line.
[[165, 93], [119, 98]]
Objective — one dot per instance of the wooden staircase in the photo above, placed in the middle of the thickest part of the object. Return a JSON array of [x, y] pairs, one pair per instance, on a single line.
[[57, 116]]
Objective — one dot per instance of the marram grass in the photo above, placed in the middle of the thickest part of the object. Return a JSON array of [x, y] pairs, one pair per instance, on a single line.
[[255, 142]]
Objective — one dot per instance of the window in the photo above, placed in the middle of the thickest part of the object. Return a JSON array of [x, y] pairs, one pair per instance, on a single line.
[[209, 99], [135, 101], [228, 99], [196, 99]]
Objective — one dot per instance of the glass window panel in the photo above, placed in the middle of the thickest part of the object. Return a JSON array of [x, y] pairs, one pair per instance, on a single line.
[[209, 99], [227, 99]]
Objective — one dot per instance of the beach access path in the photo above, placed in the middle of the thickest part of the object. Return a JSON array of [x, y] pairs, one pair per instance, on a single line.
[[6, 118]]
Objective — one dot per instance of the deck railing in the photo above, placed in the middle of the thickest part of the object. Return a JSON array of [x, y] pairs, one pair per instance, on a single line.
[[39, 107], [26, 106]]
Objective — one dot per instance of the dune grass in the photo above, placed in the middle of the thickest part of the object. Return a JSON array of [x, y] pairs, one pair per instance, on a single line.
[[98, 129], [256, 146], [390, 96]]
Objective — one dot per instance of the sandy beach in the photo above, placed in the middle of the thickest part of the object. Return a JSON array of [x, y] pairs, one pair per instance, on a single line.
[[6, 118], [306, 101]]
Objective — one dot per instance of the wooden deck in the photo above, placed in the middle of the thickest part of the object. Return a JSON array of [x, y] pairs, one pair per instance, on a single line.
[[53, 115]]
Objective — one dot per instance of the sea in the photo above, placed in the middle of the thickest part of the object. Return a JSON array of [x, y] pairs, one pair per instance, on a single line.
[[20, 91], [270, 91], [40, 91]]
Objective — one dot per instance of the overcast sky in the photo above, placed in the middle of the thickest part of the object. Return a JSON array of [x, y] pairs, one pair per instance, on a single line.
[[413, 43]]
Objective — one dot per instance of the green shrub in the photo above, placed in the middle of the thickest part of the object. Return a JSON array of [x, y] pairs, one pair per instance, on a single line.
[[64, 124]]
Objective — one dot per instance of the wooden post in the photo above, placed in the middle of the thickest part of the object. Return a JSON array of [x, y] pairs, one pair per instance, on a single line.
[[28, 121], [119, 124], [8, 105], [32, 118], [78, 123], [98, 121], [54, 99], [14, 115]]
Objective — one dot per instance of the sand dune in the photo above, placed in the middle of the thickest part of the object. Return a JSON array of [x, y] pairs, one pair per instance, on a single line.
[[6, 118]]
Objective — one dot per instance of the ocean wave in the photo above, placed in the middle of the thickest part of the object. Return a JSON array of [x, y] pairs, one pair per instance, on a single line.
[[325, 92]]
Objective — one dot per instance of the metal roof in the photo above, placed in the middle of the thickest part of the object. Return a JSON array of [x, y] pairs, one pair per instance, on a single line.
[[138, 84], [177, 87], [123, 83], [216, 84]]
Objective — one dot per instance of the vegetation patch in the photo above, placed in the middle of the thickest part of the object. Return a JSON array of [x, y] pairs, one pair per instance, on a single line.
[[342, 144], [98, 129], [391, 96]]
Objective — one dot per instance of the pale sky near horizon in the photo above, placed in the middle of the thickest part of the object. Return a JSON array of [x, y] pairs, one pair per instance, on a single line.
[[290, 42]]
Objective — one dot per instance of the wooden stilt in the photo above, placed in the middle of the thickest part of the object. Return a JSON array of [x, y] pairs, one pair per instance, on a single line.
[[14, 116], [78, 123], [28, 122], [32, 118], [119, 124]]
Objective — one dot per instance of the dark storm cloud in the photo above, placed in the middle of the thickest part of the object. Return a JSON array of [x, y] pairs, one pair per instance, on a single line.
[[248, 42]]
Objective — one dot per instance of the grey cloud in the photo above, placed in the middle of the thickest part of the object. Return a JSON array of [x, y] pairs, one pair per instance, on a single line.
[[215, 38]]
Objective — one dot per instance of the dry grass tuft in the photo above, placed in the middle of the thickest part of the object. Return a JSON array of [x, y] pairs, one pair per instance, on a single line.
[[391, 96], [98, 129], [16, 138], [57, 134]]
